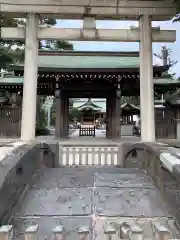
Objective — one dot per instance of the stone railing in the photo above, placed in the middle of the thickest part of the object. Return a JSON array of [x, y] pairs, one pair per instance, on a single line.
[[124, 231], [18, 164], [162, 164], [89, 155]]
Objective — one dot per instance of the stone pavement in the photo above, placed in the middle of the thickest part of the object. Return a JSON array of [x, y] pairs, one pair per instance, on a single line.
[[90, 198]]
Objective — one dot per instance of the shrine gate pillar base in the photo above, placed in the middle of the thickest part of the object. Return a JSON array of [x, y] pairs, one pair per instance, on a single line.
[[28, 123], [146, 81]]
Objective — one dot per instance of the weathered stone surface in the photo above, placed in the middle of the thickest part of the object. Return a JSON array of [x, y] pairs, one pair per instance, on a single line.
[[54, 199], [15, 173], [130, 202], [82, 196], [123, 179], [50, 195], [55, 202], [47, 224], [63, 178], [176, 172]]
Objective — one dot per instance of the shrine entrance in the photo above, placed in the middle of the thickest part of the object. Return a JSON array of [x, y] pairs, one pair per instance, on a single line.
[[90, 112], [91, 85], [117, 72], [88, 117], [98, 75]]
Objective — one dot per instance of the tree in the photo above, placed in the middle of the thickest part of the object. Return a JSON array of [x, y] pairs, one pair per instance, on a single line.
[[10, 22], [177, 17], [75, 114], [9, 56], [165, 56], [41, 122], [57, 45]]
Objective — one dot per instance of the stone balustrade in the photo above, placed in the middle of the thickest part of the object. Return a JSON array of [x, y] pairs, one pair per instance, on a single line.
[[161, 162], [171, 161], [124, 231]]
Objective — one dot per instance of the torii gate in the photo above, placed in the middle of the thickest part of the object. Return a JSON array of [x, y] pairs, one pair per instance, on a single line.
[[89, 11]]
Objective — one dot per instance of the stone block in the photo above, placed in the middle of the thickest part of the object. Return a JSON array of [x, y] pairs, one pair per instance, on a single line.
[[6, 232]]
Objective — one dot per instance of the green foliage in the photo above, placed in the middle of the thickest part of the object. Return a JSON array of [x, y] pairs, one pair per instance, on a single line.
[[74, 113], [53, 114], [5, 59], [41, 131], [42, 118], [9, 56], [10, 22], [41, 124], [58, 45], [177, 17]]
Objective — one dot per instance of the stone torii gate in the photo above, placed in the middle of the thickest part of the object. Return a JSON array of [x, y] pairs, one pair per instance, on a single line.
[[90, 11]]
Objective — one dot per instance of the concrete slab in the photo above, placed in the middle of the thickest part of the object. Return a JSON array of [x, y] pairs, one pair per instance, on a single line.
[[57, 202], [130, 179], [63, 178], [88, 196], [132, 202]]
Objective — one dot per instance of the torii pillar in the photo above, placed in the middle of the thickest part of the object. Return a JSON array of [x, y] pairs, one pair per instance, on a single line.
[[146, 81], [28, 123]]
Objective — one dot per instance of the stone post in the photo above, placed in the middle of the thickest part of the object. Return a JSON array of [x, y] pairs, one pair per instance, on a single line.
[[58, 113], [28, 123], [62, 107], [146, 81], [107, 117], [66, 117], [116, 119]]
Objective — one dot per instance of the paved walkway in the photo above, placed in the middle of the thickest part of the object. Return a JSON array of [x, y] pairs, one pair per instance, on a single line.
[[76, 197]]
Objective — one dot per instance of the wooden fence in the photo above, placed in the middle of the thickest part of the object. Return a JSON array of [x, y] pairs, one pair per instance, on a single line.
[[165, 123], [87, 131], [10, 121], [127, 120], [127, 125]]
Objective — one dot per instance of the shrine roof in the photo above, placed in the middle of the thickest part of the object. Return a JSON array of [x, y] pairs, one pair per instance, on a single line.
[[10, 79], [100, 105], [59, 60], [129, 106], [85, 62], [96, 105]]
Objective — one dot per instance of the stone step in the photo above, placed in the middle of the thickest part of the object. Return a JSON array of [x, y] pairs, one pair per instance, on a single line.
[[111, 231]]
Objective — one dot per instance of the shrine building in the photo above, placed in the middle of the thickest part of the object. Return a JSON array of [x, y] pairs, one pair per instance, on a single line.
[[74, 74]]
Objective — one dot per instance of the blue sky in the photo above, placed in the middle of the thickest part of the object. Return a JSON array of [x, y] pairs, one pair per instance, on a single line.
[[114, 46]]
